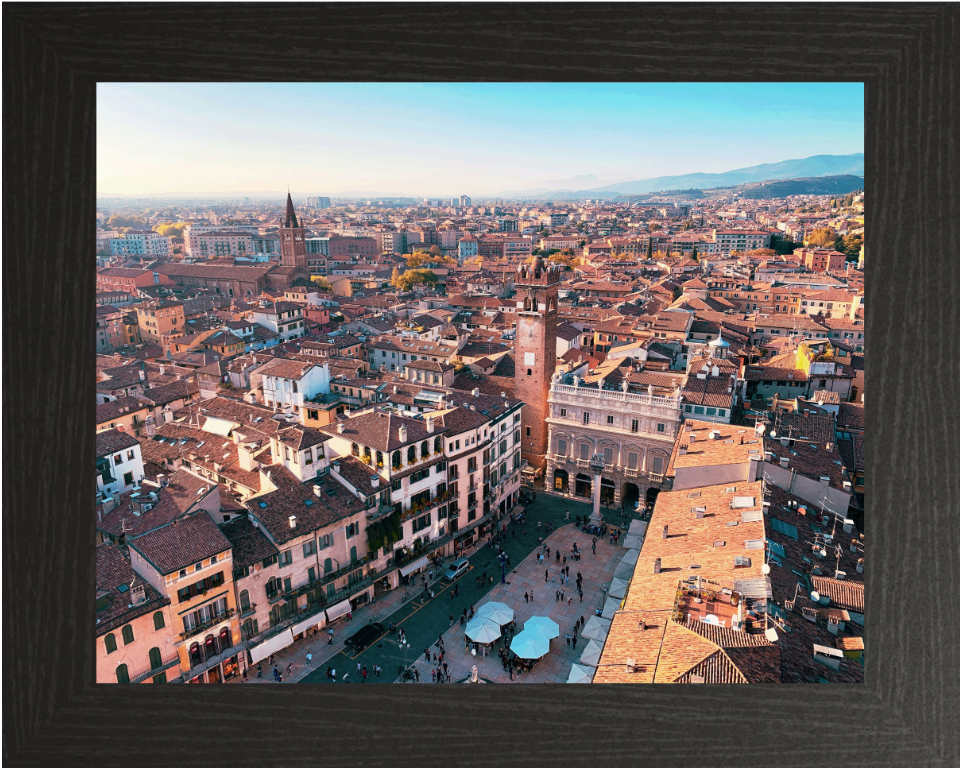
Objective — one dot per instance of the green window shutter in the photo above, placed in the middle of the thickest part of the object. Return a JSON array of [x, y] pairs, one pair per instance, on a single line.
[[122, 676], [155, 659], [110, 642], [127, 634], [158, 622]]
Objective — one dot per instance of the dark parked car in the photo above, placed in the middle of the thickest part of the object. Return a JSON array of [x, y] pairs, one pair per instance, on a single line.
[[361, 639]]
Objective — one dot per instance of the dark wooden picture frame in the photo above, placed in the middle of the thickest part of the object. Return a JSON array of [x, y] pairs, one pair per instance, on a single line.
[[907, 711]]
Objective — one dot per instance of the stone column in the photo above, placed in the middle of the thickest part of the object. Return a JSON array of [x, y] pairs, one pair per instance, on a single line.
[[596, 464]]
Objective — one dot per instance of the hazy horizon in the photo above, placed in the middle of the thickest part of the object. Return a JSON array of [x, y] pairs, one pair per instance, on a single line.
[[442, 140]]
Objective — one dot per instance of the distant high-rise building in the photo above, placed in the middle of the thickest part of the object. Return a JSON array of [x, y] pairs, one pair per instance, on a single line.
[[464, 201], [318, 202], [293, 247]]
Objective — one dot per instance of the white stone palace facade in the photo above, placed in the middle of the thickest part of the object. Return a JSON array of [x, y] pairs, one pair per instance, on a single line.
[[634, 432]]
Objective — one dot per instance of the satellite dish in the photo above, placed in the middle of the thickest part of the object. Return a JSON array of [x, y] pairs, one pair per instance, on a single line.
[[773, 433], [764, 569], [771, 635], [815, 596], [761, 428]]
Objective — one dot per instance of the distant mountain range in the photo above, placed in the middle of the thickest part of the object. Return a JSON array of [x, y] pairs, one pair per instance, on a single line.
[[581, 186], [809, 167]]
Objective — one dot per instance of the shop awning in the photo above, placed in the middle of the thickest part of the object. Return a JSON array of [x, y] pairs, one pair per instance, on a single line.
[[276, 643], [411, 567], [340, 609], [315, 620]]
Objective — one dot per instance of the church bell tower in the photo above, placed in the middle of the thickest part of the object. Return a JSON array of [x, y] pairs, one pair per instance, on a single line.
[[535, 353], [293, 245]]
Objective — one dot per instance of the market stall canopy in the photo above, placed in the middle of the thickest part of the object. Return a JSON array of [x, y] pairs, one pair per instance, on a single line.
[[496, 612], [342, 608], [482, 630], [543, 624], [530, 644], [638, 528], [632, 542], [276, 643], [631, 557], [624, 571], [610, 607], [411, 567], [618, 588], [596, 629], [591, 654], [580, 674]]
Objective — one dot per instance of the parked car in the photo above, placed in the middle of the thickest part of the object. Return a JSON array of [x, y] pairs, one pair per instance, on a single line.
[[456, 568], [361, 639]]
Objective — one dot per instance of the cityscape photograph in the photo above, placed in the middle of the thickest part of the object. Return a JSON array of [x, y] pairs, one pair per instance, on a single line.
[[480, 383]]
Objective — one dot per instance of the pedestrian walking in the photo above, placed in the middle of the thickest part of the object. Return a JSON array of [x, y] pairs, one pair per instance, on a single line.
[[581, 595], [426, 652], [565, 562], [546, 576], [568, 640], [330, 641], [567, 516], [333, 674], [363, 677], [444, 668], [570, 600], [561, 595], [574, 642], [451, 619], [526, 597], [309, 658], [557, 596], [433, 675], [259, 672], [416, 674]]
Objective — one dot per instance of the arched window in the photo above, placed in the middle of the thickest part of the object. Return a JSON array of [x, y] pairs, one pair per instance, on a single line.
[[379, 459], [127, 634], [397, 459], [366, 453], [226, 641], [412, 454], [122, 675], [244, 600], [158, 622], [438, 445], [196, 657], [328, 565], [355, 449], [424, 450], [353, 554], [275, 617], [110, 642], [155, 659], [529, 372], [273, 585]]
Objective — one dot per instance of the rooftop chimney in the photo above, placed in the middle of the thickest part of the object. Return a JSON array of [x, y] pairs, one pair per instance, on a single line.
[[683, 449], [430, 424], [666, 531], [340, 427], [162, 479], [317, 490], [293, 521], [698, 512], [656, 565], [784, 461], [475, 393], [375, 481], [403, 433]]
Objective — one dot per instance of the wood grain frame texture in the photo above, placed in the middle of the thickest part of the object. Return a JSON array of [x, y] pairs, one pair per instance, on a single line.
[[907, 711]]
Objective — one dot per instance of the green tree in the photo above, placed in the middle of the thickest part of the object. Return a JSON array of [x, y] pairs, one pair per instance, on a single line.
[[649, 248], [693, 254], [850, 245], [420, 258], [322, 283], [413, 277], [822, 237], [126, 222], [653, 227], [395, 277], [170, 230], [783, 247]]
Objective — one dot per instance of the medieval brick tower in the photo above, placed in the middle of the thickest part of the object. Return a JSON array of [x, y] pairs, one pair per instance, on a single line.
[[293, 246], [535, 353]]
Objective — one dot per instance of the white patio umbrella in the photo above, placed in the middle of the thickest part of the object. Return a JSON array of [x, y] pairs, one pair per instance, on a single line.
[[499, 613], [591, 654], [544, 624], [482, 630], [632, 542], [637, 528], [631, 557], [624, 571], [530, 644], [618, 588], [610, 607], [581, 674], [596, 629]]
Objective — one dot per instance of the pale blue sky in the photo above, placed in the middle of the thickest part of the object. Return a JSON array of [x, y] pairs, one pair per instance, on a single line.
[[454, 138]]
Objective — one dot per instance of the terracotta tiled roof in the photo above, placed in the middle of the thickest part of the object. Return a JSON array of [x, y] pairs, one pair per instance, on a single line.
[[842, 594], [115, 580], [112, 440], [249, 544], [181, 543]]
